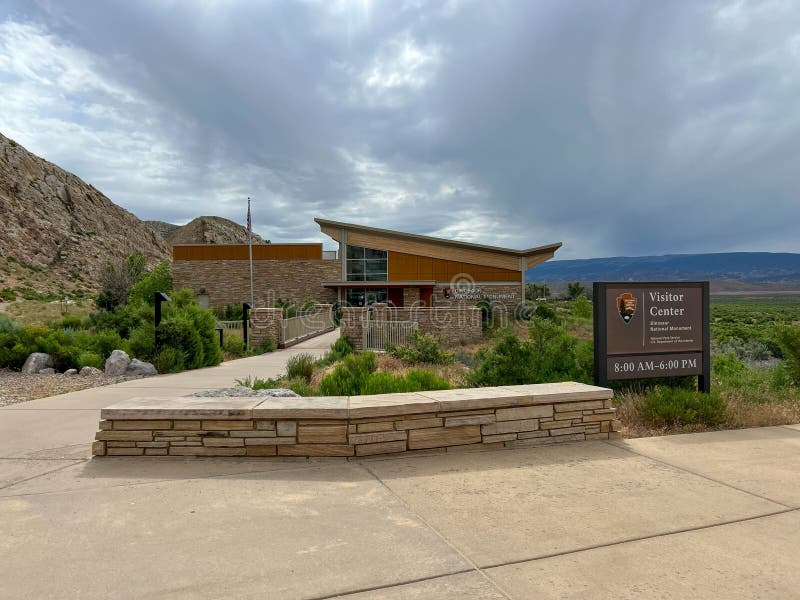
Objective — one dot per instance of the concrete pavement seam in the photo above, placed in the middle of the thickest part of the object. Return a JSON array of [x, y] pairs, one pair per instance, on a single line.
[[441, 536], [155, 481], [640, 538], [791, 428], [389, 586], [696, 474], [61, 468]]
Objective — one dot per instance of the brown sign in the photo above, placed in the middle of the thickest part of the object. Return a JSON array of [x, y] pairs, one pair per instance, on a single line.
[[639, 366], [651, 330], [654, 319]]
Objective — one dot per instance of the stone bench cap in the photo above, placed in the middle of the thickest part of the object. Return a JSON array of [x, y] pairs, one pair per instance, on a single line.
[[344, 407]]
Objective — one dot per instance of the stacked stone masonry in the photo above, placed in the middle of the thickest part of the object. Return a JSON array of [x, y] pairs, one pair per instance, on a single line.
[[228, 281], [438, 421], [454, 325]]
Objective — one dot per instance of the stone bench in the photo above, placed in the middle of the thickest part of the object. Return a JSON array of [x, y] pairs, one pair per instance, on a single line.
[[436, 421]]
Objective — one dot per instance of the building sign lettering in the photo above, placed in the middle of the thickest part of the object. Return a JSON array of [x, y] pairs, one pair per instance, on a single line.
[[651, 330]]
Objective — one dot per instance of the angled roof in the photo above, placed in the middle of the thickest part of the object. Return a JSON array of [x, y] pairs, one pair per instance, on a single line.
[[529, 252]]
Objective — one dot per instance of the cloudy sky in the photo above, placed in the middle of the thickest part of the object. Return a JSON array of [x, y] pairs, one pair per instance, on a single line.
[[619, 127]]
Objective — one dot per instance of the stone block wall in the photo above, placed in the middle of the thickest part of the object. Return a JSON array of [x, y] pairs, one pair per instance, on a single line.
[[504, 297], [439, 421], [228, 281], [266, 322], [453, 324]]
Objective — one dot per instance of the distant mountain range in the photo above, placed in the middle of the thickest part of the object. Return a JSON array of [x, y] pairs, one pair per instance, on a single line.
[[744, 267]]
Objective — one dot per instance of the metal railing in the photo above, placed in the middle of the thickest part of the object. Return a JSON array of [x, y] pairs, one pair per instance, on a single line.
[[380, 334], [234, 326], [304, 325]]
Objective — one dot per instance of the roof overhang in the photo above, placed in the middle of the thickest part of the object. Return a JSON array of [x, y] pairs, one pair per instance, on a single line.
[[377, 284], [331, 225]]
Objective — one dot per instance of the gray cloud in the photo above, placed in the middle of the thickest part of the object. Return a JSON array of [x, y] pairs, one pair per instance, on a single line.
[[617, 128]]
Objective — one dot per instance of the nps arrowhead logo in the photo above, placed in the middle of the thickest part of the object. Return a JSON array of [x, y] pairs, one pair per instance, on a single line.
[[626, 305]]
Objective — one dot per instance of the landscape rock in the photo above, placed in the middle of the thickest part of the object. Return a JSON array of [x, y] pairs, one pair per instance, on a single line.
[[90, 372], [246, 392], [37, 361], [47, 371], [117, 363], [138, 367], [71, 372]]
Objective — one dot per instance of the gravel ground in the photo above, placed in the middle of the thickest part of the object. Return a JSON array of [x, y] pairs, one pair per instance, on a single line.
[[17, 387], [246, 392]]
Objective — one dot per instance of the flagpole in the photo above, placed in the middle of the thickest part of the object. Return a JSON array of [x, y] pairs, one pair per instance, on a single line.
[[250, 245]]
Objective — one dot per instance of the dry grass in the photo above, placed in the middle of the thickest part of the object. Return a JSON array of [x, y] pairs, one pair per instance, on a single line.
[[455, 374], [37, 312], [755, 405]]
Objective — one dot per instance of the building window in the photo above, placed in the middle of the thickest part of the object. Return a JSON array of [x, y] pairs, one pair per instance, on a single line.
[[366, 264], [366, 296]]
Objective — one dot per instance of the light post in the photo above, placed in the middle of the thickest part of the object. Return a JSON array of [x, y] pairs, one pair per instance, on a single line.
[[159, 297], [246, 306]]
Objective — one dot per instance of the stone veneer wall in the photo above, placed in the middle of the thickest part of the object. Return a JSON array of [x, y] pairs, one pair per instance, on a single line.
[[266, 322], [453, 324], [228, 281], [438, 421], [502, 307]]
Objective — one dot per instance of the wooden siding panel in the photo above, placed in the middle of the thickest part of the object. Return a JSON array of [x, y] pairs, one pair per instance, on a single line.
[[241, 252], [401, 268], [436, 251]]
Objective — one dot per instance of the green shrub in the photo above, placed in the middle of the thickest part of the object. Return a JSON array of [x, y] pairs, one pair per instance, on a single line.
[[339, 349], [728, 365], [667, 406], [424, 348], [71, 322], [300, 366], [169, 360], [349, 378], [159, 279], [231, 312], [551, 354], [543, 311], [233, 344], [180, 333], [12, 351], [789, 340], [423, 381], [105, 342], [8, 295], [581, 308], [256, 383], [90, 359], [299, 385], [7, 324], [508, 362], [268, 344], [142, 342]]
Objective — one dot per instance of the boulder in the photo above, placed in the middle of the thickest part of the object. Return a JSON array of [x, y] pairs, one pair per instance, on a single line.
[[47, 371], [138, 367], [117, 363], [71, 372], [37, 361], [90, 372]]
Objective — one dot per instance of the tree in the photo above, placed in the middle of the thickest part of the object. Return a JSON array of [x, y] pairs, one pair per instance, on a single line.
[[117, 279], [575, 289], [534, 291]]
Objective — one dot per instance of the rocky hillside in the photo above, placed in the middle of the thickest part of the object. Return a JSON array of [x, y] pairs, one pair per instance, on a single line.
[[205, 230], [163, 229], [57, 230]]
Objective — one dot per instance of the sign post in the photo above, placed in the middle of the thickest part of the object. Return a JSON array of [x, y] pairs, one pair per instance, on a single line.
[[652, 329]]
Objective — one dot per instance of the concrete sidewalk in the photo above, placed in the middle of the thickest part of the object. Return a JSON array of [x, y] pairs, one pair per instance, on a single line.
[[711, 515], [67, 421]]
